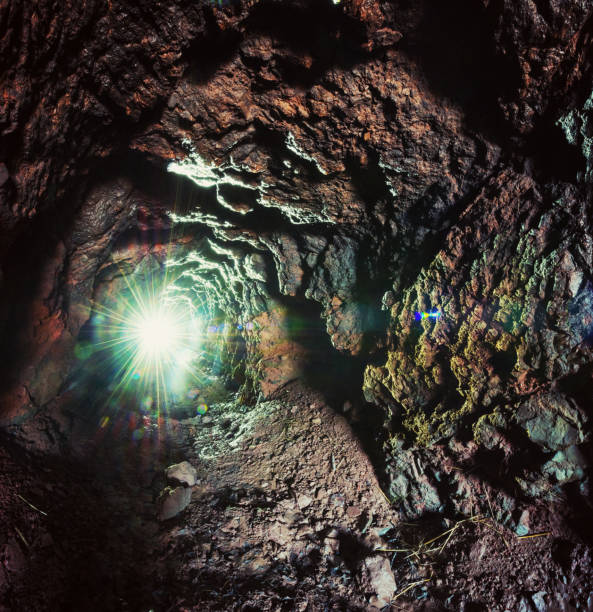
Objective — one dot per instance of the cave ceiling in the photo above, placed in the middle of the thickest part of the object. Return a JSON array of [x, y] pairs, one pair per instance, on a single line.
[[378, 159]]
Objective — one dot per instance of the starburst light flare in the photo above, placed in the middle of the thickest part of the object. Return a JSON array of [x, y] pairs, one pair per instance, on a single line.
[[157, 334], [153, 336]]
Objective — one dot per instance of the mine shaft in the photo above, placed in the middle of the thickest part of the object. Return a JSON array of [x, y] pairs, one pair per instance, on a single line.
[[296, 305]]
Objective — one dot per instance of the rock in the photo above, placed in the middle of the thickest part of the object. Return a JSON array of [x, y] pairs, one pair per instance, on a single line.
[[353, 511], [255, 562], [539, 600], [304, 501], [173, 501], [183, 473], [381, 579], [551, 422], [566, 466], [15, 559], [331, 546], [524, 605], [523, 524]]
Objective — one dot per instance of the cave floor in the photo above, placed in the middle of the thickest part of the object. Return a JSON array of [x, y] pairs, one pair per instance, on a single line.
[[286, 514]]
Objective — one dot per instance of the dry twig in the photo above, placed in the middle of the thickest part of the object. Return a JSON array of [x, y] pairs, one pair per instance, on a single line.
[[31, 505], [22, 537], [410, 587], [541, 534], [384, 495], [491, 524]]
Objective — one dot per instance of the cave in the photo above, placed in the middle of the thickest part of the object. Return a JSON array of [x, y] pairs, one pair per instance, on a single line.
[[296, 305]]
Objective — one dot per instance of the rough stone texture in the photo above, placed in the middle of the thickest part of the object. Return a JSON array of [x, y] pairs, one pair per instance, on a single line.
[[576, 124], [269, 516], [544, 47], [510, 285], [281, 359], [399, 155]]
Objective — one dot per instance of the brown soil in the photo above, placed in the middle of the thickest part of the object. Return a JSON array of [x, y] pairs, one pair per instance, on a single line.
[[287, 514]]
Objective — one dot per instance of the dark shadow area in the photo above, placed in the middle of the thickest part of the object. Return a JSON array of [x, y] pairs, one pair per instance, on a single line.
[[553, 157], [213, 50], [23, 269], [316, 30], [337, 376], [85, 542], [455, 47], [352, 549], [369, 181]]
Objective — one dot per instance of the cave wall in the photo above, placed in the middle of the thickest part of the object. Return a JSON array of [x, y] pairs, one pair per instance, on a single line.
[[376, 159]]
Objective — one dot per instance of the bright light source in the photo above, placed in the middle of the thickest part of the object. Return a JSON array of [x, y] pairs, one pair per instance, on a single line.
[[157, 334], [154, 341], [154, 332]]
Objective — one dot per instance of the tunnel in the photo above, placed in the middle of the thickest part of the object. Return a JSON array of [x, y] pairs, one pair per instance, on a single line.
[[296, 305]]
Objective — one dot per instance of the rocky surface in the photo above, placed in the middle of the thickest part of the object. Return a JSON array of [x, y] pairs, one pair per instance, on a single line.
[[388, 198], [286, 513], [173, 501]]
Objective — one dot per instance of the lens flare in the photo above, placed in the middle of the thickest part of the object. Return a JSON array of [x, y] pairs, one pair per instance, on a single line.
[[154, 336], [146, 347], [434, 314], [156, 342], [157, 334], [151, 338]]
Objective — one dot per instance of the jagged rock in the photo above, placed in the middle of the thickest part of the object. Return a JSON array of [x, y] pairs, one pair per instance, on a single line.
[[576, 126], [566, 465], [539, 601], [379, 158], [183, 473], [523, 527], [304, 501], [552, 422]]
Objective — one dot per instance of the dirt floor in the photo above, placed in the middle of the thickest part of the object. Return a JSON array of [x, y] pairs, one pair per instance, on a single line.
[[286, 513]]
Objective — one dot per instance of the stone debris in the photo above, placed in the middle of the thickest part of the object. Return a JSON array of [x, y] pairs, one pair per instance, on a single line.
[[304, 501], [183, 473], [173, 501], [381, 579]]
